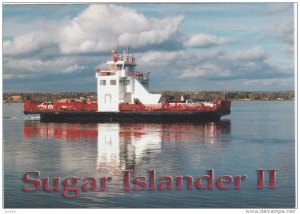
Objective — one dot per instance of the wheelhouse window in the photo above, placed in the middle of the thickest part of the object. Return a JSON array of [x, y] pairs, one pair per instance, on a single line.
[[112, 67], [119, 67], [124, 82], [130, 68], [102, 82], [113, 82]]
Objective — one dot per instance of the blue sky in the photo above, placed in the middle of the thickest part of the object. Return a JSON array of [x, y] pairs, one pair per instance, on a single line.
[[188, 47]]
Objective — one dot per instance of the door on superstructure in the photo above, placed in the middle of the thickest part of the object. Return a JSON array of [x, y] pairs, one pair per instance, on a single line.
[[107, 99]]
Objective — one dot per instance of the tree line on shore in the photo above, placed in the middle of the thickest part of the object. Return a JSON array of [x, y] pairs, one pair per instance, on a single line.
[[204, 95]]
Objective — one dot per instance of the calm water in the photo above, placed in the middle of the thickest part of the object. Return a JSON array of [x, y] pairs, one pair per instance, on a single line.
[[256, 135]]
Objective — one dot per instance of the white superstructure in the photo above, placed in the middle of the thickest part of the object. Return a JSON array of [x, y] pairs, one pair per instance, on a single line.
[[120, 83]]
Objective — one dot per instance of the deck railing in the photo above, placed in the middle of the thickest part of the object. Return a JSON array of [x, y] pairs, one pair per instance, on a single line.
[[140, 75], [174, 107], [33, 107]]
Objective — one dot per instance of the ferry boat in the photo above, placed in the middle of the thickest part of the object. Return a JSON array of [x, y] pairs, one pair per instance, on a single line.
[[123, 96]]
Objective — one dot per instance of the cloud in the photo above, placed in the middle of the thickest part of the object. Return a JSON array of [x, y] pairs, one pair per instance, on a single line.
[[284, 32], [179, 56], [32, 38], [215, 65], [205, 70], [278, 7], [101, 28], [31, 68], [50, 45], [28, 43], [267, 82], [176, 59], [160, 58], [14, 76], [254, 54], [98, 29], [205, 40]]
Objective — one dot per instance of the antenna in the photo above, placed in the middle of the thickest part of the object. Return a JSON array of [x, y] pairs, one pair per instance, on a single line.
[[128, 50]]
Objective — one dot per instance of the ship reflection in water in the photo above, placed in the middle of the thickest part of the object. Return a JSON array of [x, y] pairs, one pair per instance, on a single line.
[[127, 146]]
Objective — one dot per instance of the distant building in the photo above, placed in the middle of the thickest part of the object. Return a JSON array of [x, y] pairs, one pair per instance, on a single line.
[[15, 98]]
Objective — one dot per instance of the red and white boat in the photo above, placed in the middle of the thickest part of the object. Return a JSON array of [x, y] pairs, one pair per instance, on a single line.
[[123, 96]]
